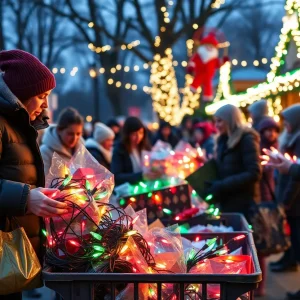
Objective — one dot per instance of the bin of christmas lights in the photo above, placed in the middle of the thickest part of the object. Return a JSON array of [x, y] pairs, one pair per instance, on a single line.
[[100, 251], [228, 270], [162, 198]]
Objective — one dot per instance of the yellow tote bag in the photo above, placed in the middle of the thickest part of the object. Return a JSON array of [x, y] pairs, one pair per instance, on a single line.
[[19, 266]]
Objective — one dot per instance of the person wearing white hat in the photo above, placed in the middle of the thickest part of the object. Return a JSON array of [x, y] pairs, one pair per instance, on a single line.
[[101, 144]]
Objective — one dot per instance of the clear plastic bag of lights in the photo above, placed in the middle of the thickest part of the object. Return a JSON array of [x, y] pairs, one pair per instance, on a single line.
[[84, 185]]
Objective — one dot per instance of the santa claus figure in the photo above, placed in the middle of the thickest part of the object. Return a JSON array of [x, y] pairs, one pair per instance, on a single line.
[[203, 65]]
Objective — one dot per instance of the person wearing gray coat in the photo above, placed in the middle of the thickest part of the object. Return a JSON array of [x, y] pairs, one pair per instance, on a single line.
[[63, 138]]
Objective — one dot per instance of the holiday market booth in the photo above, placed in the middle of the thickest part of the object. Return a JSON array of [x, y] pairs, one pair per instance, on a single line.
[[123, 251], [282, 84]]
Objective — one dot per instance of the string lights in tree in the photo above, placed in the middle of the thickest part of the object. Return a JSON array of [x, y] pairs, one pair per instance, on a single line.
[[217, 3], [164, 89], [190, 100], [146, 66], [106, 48], [224, 86]]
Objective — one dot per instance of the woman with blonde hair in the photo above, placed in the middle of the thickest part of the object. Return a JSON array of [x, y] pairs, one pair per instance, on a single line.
[[238, 164]]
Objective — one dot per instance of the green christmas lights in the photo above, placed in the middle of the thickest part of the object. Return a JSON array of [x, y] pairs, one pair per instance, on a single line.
[[209, 197], [167, 211], [96, 236], [99, 248], [88, 185]]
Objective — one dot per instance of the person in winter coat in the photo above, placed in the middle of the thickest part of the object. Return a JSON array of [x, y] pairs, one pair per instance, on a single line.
[[290, 187], [238, 163], [203, 137], [269, 132], [166, 135], [287, 191], [63, 138], [100, 146], [258, 111], [25, 84], [127, 155]]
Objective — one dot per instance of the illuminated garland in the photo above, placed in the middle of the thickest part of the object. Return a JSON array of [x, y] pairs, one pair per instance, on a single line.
[[276, 84], [281, 84], [146, 66], [106, 48]]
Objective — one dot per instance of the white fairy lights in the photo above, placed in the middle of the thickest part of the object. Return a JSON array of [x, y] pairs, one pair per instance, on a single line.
[[106, 48]]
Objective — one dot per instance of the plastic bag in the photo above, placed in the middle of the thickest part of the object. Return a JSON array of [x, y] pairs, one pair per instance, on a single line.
[[82, 182], [157, 159]]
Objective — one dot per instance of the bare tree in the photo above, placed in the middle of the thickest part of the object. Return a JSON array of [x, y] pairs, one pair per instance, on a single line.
[[158, 29], [258, 31], [34, 29], [99, 32]]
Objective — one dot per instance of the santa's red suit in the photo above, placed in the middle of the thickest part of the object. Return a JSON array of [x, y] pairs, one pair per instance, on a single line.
[[203, 65]]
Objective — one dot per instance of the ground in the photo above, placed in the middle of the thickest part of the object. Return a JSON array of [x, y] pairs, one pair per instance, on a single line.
[[277, 285]]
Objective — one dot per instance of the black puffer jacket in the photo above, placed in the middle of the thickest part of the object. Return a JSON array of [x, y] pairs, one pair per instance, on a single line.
[[21, 165], [239, 172], [121, 166]]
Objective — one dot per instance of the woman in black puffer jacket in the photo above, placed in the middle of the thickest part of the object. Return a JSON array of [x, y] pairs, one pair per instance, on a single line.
[[25, 84], [238, 164]]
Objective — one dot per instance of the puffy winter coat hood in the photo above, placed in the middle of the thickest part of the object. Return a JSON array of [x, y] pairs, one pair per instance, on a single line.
[[52, 141]]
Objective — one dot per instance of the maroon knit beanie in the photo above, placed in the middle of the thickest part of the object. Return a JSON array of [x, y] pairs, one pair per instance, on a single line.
[[25, 75]]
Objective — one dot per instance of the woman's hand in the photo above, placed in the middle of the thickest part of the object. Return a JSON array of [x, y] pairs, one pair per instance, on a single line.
[[279, 162], [40, 204]]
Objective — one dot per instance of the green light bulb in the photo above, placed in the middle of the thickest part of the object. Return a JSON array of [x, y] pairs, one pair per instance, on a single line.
[[67, 180], [211, 242], [101, 195], [96, 236], [216, 212], [44, 232], [143, 185], [98, 248], [209, 197], [192, 254], [88, 185], [149, 195], [95, 255], [167, 211], [156, 184], [136, 189]]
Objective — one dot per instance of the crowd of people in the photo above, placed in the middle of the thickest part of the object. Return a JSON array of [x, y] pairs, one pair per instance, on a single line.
[[228, 139]]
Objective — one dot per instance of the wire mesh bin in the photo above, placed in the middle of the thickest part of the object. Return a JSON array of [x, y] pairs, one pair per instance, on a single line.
[[92, 286]]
